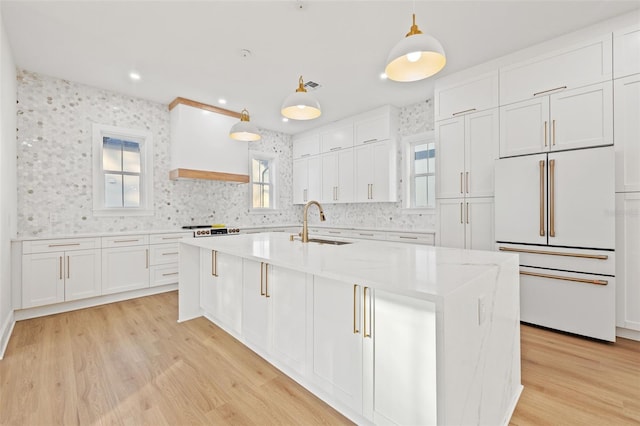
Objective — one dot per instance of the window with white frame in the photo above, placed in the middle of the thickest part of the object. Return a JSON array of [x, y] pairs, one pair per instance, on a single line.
[[262, 181], [420, 177], [122, 171]]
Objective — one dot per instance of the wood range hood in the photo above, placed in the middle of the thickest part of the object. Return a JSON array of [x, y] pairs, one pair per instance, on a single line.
[[200, 144]]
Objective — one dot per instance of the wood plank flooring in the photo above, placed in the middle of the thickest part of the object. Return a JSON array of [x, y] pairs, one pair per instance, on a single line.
[[130, 363]]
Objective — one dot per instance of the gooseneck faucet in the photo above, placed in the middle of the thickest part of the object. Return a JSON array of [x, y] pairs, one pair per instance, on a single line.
[[305, 228]]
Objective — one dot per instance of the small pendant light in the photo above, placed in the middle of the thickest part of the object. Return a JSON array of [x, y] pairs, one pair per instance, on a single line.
[[301, 105], [243, 130], [415, 57]]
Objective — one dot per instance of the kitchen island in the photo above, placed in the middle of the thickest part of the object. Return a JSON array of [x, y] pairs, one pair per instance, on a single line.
[[387, 333]]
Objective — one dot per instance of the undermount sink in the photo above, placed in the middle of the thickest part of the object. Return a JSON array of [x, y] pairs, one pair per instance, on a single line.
[[333, 242]]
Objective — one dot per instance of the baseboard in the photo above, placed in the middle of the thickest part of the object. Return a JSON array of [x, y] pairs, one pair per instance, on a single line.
[[5, 332], [41, 311], [627, 333]]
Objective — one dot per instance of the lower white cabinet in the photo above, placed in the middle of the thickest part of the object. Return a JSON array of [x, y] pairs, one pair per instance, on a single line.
[[466, 223], [60, 276], [125, 268], [274, 312], [628, 261], [221, 288]]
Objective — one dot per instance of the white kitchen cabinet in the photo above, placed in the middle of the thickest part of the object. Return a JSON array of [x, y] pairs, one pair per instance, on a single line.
[[337, 136], [306, 180], [626, 51], [60, 276], [568, 119], [466, 149], [628, 261], [376, 125], [466, 223], [376, 172], [568, 68], [337, 176], [125, 268], [561, 199], [467, 96], [274, 312], [221, 288], [306, 146], [627, 133]]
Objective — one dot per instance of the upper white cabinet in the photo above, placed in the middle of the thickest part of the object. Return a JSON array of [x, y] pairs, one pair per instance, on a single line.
[[627, 133], [626, 51], [376, 176], [471, 95], [337, 176], [306, 146], [306, 179], [580, 65], [377, 125], [567, 119], [336, 136]]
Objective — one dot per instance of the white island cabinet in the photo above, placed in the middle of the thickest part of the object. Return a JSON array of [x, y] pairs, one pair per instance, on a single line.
[[386, 333]]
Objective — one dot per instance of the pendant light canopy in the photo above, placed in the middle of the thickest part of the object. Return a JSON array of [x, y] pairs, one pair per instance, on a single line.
[[243, 130], [301, 105], [415, 57]]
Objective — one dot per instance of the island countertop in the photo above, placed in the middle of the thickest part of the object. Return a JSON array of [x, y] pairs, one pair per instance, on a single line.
[[420, 271]]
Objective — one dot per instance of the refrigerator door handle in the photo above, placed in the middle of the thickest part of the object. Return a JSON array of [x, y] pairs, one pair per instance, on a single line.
[[552, 201], [541, 198]]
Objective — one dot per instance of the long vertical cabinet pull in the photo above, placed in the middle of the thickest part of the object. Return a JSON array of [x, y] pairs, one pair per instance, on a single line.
[[214, 263], [552, 201], [545, 133], [68, 268], [461, 218], [467, 213], [366, 309], [461, 188], [355, 310], [60, 267], [553, 132], [262, 293], [466, 182], [266, 280], [541, 198]]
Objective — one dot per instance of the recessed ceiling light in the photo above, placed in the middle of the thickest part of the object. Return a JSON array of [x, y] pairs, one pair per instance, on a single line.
[[222, 101], [134, 76], [285, 119], [383, 76]]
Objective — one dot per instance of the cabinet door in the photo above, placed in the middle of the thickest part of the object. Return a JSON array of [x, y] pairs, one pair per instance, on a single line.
[[477, 94], [627, 133], [363, 173], [481, 151], [372, 129], [228, 291], [385, 177], [451, 222], [314, 173], [306, 146], [255, 309], [581, 206], [524, 127], [628, 261], [521, 199], [450, 158], [208, 281], [42, 279], [344, 191], [82, 275], [125, 268], [337, 137], [582, 117], [337, 341], [300, 184], [479, 222], [626, 51], [329, 174]]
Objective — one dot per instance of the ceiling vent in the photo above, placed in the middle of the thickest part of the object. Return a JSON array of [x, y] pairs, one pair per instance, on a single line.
[[312, 85]]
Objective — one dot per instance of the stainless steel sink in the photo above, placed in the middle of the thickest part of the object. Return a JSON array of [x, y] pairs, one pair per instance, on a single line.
[[332, 242]]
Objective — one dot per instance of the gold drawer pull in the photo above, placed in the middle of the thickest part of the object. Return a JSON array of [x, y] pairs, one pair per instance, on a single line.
[[355, 316], [549, 90], [559, 277], [553, 253], [169, 273], [64, 245], [169, 254], [126, 241], [462, 112]]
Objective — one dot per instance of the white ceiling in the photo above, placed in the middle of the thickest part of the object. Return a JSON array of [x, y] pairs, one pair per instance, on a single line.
[[192, 48]]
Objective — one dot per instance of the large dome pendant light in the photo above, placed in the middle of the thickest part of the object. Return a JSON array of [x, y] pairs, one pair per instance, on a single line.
[[243, 130], [415, 57], [301, 105]]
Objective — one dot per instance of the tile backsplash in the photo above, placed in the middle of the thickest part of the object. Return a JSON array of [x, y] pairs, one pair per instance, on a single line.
[[55, 168]]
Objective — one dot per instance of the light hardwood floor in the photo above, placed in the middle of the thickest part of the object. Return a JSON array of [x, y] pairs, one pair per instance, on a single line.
[[130, 363]]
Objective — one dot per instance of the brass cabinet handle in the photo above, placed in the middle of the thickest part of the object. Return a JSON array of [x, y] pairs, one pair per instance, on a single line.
[[64, 245], [68, 268], [170, 253], [355, 316], [549, 90], [365, 235], [126, 241], [172, 238], [305, 155], [461, 219], [335, 148], [545, 133], [462, 112], [541, 198], [262, 293], [408, 238], [214, 263], [553, 253], [337, 193], [370, 140], [169, 273], [364, 314], [146, 258], [461, 190], [552, 201], [467, 213], [266, 280], [560, 277], [553, 132], [466, 184], [60, 267]]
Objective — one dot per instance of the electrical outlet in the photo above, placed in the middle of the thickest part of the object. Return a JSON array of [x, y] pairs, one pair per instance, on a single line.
[[482, 310]]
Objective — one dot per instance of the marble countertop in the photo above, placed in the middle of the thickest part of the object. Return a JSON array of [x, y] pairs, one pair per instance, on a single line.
[[424, 272]]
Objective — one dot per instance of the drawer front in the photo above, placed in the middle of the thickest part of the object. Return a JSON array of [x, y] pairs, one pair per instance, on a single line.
[[560, 300], [125, 241], [585, 261], [408, 237], [168, 238], [161, 254], [48, 246], [164, 274], [366, 235]]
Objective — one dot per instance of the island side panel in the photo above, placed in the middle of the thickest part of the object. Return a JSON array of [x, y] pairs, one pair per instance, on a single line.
[[189, 283], [480, 354]]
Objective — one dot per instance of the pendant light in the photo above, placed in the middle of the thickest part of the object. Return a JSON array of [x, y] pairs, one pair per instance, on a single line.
[[301, 105], [243, 130], [415, 57]]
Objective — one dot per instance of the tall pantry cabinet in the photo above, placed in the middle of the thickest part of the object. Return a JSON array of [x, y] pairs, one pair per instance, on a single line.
[[626, 87], [467, 143]]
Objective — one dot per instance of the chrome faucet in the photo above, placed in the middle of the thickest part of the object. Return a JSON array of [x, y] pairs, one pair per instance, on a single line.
[[305, 229]]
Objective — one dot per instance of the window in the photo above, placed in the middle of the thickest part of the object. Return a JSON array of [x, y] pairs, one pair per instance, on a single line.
[[122, 172], [420, 178], [262, 184]]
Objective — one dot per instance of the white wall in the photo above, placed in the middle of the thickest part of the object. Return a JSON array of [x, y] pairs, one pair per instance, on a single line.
[[8, 202]]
